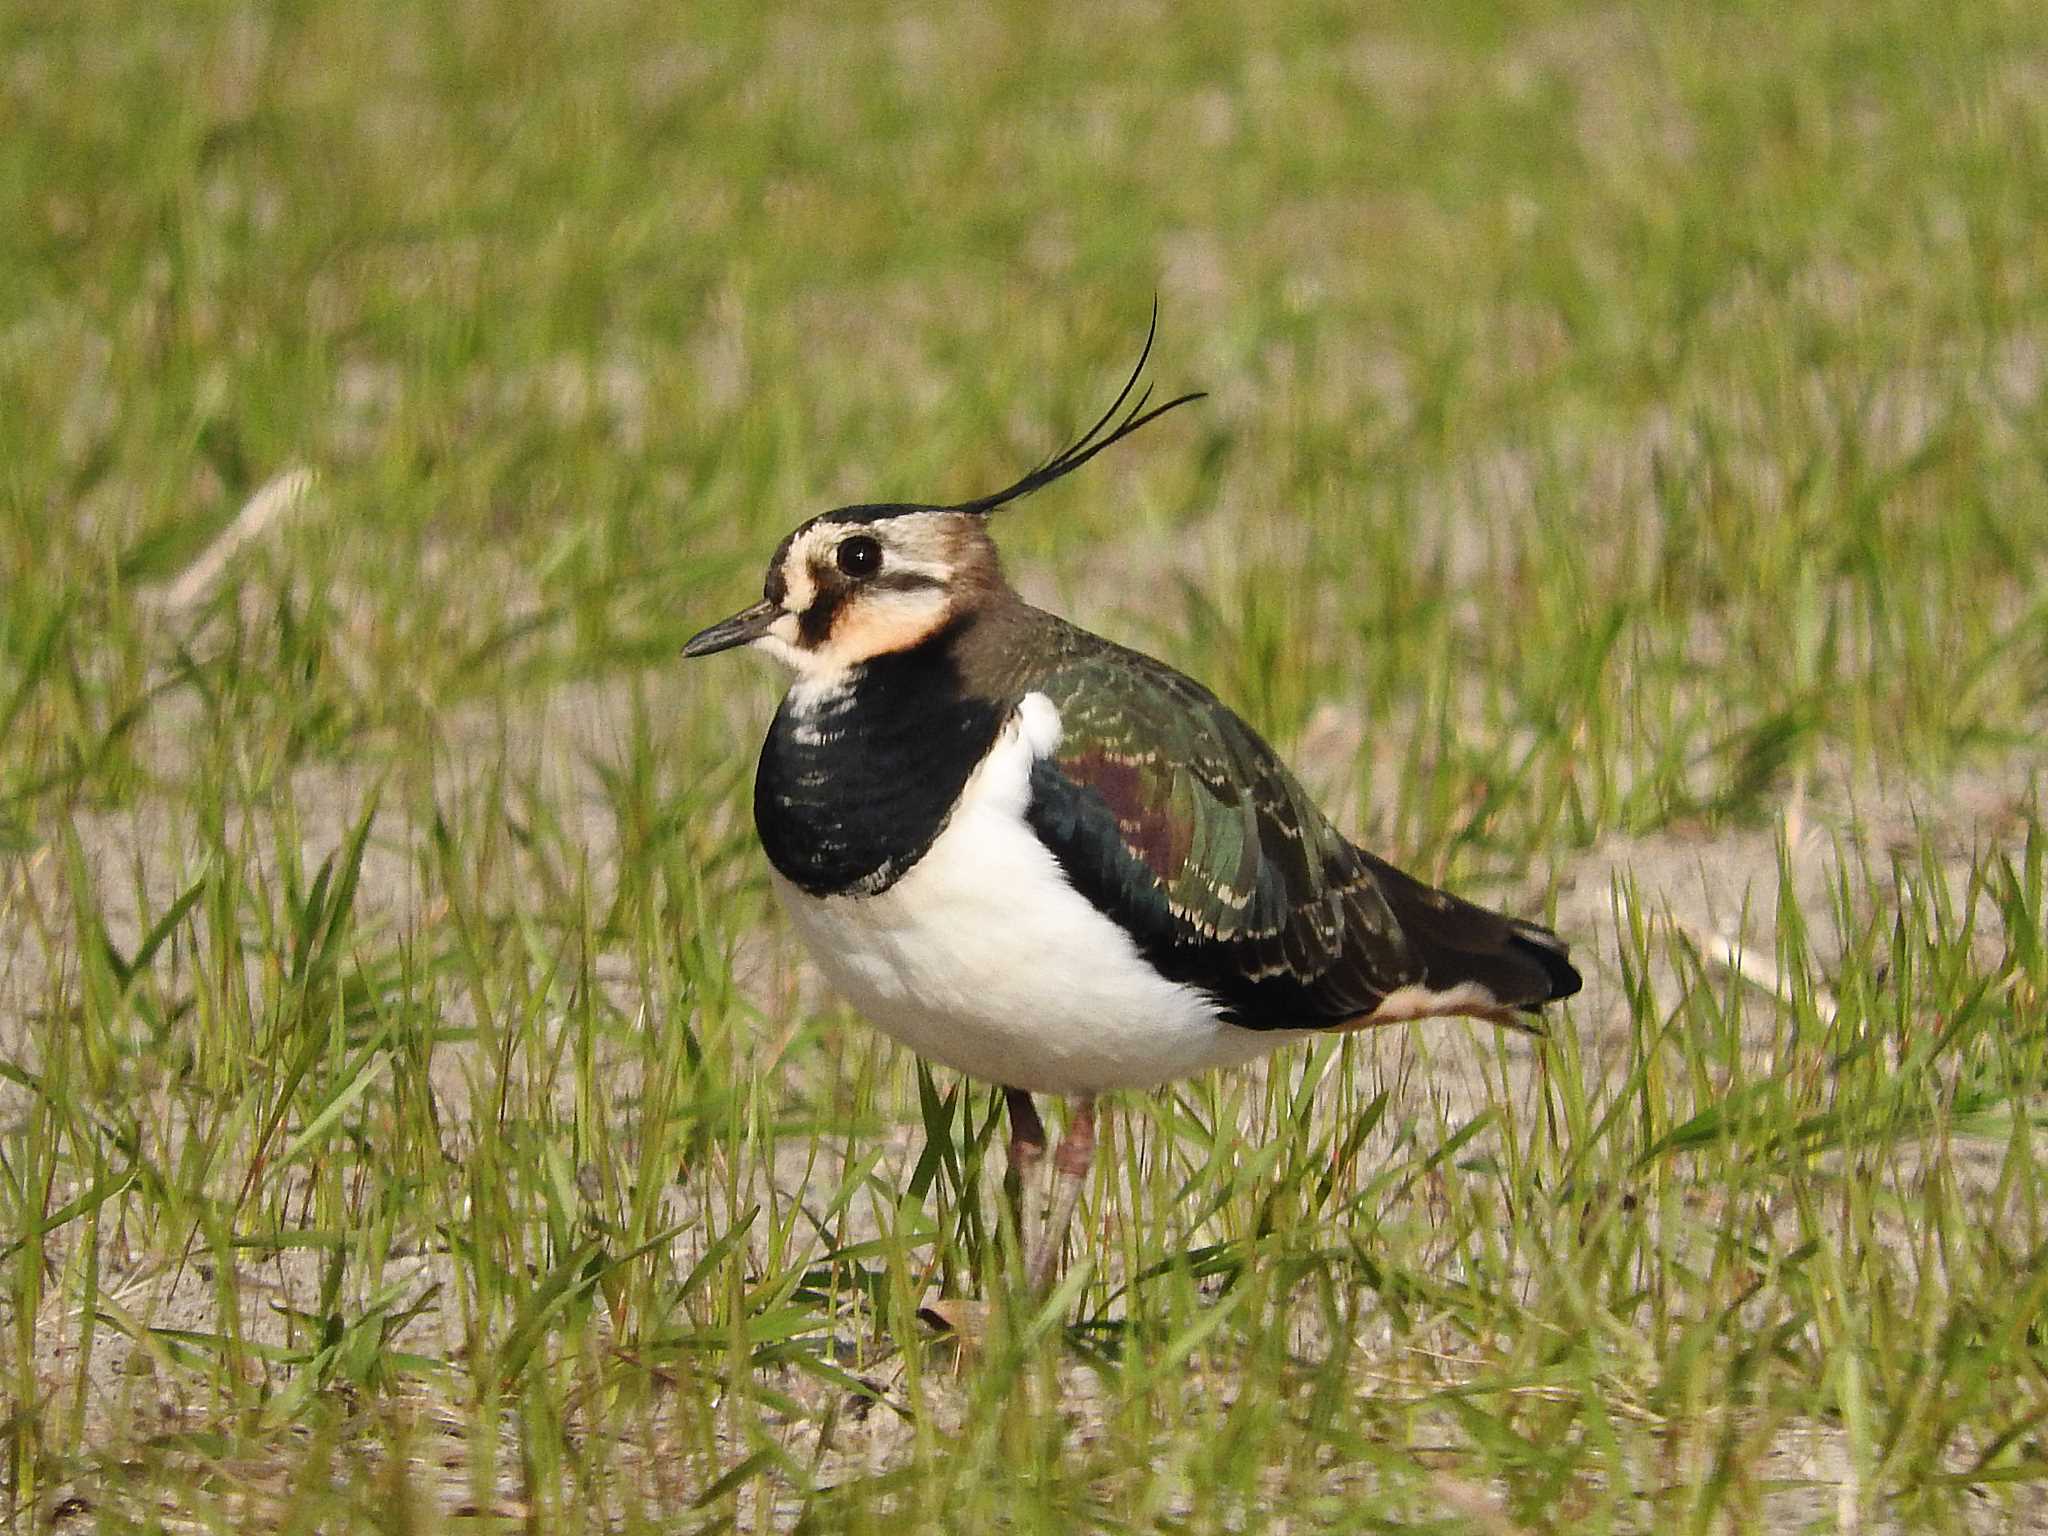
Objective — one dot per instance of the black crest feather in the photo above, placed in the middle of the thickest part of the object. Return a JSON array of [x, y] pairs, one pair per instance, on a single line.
[[1091, 442]]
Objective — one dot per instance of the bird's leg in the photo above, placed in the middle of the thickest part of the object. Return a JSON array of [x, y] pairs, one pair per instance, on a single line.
[[1070, 1170], [1027, 1151]]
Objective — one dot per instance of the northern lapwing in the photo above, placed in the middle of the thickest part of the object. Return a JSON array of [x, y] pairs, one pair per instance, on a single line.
[[1059, 865]]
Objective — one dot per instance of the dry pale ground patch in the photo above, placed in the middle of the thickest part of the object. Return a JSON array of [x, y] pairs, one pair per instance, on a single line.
[[1624, 462], [1637, 909]]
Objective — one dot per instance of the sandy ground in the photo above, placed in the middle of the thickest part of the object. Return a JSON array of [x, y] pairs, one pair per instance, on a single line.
[[1721, 890]]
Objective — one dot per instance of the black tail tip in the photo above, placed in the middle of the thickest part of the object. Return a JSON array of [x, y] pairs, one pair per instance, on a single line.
[[1549, 952]]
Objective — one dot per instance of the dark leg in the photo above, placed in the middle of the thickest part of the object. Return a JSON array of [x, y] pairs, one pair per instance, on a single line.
[[1070, 1169], [1027, 1133], [1027, 1151]]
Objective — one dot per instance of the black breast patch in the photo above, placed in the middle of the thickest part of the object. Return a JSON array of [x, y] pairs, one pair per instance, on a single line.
[[854, 790]]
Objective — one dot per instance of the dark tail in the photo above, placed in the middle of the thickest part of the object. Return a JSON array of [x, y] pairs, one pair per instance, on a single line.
[[1549, 952], [1524, 965]]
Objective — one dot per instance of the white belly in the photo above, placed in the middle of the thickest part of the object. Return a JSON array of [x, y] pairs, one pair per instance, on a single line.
[[984, 958]]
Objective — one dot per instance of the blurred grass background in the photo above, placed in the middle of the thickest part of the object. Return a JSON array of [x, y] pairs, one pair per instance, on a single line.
[[1727, 305], [1625, 420]]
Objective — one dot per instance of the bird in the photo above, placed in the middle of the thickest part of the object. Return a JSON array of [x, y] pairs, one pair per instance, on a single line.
[[1057, 864]]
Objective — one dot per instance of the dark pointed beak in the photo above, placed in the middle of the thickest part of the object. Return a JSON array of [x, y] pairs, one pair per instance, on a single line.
[[748, 625]]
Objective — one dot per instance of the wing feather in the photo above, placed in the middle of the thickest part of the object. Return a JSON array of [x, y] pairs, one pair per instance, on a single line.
[[1170, 814]]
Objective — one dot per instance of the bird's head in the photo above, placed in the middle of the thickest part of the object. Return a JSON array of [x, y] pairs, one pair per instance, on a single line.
[[860, 582]]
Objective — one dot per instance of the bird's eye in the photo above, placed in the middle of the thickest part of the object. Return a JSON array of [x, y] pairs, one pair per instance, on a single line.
[[859, 555]]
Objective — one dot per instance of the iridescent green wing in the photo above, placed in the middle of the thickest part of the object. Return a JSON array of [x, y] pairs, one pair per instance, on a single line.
[[1171, 816]]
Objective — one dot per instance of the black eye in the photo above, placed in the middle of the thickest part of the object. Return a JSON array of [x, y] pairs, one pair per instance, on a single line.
[[859, 555]]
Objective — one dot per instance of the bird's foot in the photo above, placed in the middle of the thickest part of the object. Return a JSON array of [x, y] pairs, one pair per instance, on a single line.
[[1070, 1163], [1020, 1179]]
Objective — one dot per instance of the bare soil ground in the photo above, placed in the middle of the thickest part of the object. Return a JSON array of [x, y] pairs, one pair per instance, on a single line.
[[1721, 890]]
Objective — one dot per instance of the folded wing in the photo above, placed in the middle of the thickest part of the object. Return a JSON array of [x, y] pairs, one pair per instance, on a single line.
[[1171, 816]]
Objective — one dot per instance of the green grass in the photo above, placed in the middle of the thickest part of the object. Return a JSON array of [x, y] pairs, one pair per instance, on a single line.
[[1624, 490]]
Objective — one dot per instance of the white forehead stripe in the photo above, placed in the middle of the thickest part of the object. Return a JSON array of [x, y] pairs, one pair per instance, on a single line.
[[913, 544], [801, 589]]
